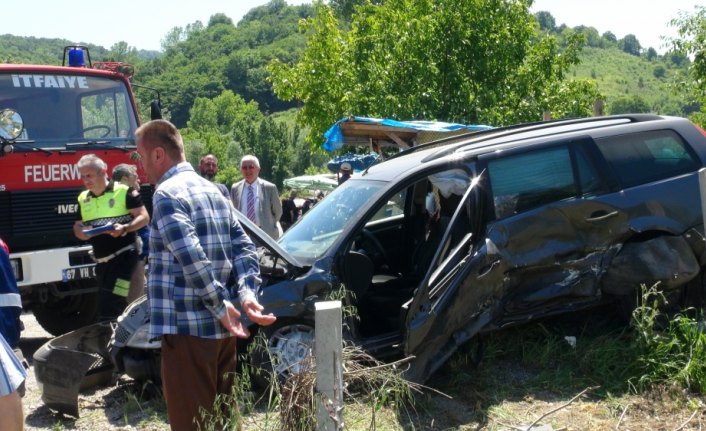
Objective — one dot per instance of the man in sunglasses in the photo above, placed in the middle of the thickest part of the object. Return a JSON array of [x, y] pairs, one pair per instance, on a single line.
[[256, 198]]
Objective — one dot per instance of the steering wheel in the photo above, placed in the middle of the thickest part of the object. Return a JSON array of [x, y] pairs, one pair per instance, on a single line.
[[106, 130], [378, 252]]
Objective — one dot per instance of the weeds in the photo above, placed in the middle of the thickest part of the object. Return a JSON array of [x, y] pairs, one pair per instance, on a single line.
[[669, 351], [658, 355]]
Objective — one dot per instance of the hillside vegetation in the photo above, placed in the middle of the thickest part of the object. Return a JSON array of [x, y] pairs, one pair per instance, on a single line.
[[622, 77], [215, 84]]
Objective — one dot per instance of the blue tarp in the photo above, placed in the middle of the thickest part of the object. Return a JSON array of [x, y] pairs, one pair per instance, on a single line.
[[334, 138], [359, 162]]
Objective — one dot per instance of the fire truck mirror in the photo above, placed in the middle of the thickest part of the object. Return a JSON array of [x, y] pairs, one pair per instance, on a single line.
[[155, 110], [11, 124]]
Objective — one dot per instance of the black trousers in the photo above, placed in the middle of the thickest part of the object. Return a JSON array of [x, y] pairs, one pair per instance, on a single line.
[[114, 283]]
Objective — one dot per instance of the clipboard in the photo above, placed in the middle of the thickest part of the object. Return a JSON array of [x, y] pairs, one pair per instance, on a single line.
[[98, 230]]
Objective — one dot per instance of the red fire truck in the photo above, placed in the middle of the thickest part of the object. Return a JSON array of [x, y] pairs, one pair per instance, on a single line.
[[60, 113]]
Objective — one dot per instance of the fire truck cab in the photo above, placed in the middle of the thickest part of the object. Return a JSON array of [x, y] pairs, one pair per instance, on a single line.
[[64, 112]]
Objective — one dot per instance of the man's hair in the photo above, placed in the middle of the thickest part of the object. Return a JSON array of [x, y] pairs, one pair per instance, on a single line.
[[250, 158], [162, 133], [92, 161], [203, 159], [124, 170]]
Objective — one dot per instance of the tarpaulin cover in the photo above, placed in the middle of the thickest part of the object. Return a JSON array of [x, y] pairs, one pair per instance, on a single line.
[[334, 138], [359, 162]]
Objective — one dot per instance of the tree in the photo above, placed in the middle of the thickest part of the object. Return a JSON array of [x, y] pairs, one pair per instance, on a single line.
[[592, 37], [546, 21], [629, 105], [219, 18], [659, 71], [344, 8], [630, 44], [478, 61], [609, 36], [691, 43]]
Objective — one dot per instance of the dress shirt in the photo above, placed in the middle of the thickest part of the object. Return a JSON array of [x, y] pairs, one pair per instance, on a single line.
[[198, 252]]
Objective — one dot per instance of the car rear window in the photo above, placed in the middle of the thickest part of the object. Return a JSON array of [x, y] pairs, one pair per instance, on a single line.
[[644, 157]]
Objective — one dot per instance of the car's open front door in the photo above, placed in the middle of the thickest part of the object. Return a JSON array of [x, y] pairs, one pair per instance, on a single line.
[[433, 318]]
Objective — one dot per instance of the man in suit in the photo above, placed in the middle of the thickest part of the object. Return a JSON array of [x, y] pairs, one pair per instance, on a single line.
[[256, 198]]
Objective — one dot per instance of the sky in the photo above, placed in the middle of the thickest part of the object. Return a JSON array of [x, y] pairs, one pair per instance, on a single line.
[[140, 23], [647, 20], [143, 24]]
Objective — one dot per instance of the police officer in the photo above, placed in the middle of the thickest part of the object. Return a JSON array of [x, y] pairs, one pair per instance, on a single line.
[[127, 174], [118, 209]]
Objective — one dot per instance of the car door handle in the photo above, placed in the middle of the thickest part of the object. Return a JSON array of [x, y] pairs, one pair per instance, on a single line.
[[601, 215]]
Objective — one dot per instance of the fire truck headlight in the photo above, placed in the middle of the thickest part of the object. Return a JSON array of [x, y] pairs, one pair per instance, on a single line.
[[17, 269]]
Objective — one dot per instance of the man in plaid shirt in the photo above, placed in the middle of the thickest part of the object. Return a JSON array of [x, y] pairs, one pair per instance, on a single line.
[[197, 250]]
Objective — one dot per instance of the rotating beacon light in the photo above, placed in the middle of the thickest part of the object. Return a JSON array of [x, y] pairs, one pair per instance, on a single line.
[[76, 57]]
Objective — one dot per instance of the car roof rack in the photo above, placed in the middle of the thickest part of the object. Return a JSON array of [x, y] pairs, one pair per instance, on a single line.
[[549, 126]]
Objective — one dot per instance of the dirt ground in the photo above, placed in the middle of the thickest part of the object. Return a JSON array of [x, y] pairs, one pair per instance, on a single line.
[[109, 408], [102, 409]]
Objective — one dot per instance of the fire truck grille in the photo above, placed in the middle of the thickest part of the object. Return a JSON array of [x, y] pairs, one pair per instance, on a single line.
[[38, 219]]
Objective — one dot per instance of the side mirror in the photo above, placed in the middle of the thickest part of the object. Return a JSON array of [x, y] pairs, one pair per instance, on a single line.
[[11, 125], [155, 110]]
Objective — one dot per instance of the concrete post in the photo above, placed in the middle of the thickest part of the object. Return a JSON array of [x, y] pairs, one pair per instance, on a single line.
[[328, 352]]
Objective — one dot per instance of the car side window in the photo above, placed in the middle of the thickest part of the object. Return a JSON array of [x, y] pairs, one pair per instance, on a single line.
[[393, 207], [588, 178], [524, 181], [640, 158]]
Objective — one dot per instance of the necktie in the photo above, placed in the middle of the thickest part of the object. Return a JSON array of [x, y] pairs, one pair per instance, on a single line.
[[251, 204]]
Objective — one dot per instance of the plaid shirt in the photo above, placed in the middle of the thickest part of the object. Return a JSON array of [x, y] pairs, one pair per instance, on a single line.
[[197, 250]]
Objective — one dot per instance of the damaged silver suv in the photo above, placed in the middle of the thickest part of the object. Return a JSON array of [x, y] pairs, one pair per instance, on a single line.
[[473, 233]]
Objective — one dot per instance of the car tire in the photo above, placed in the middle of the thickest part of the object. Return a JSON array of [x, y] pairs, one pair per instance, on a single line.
[[289, 351]]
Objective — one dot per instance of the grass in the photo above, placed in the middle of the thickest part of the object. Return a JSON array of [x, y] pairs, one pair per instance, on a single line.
[[650, 374]]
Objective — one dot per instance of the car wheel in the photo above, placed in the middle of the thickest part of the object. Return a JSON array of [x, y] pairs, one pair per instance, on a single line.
[[289, 351]]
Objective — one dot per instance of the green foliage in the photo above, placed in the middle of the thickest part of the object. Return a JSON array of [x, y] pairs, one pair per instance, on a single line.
[[667, 353], [229, 128], [619, 75], [202, 62], [629, 104], [691, 43], [477, 62], [630, 44]]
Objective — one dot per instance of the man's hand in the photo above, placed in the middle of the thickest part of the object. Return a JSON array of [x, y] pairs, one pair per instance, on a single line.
[[231, 321], [254, 311], [78, 230]]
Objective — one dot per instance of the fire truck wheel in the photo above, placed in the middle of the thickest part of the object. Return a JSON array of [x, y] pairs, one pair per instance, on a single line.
[[67, 314]]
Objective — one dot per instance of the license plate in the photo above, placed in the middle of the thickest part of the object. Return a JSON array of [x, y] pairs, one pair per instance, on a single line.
[[78, 273]]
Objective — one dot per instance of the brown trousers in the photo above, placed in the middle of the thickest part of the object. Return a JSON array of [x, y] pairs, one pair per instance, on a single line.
[[194, 371]]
